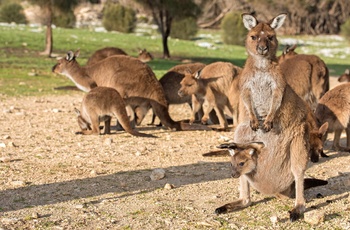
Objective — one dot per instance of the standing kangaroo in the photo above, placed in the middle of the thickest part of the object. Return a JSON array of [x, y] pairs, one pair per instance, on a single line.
[[100, 104], [133, 79], [266, 98], [334, 108]]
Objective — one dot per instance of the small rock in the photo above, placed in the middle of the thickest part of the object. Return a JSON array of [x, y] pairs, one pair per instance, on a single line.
[[157, 174], [168, 186], [93, 173], [56, 110], [314, 217], [274, 219], [18, 183], [9, 220], [5, 159], [11, 144], [6, 137], [2, 145], [79, 206], [138, 153], [108, 141], [319, 196], [35, 215]]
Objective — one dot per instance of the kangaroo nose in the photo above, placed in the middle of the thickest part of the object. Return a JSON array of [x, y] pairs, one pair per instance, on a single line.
[[262, 49], [180, 93]]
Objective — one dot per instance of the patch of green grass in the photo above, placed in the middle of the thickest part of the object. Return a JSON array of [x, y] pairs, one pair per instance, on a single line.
[[24, 72]]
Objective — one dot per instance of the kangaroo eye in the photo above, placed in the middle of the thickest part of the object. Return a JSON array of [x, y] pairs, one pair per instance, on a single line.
[[270, 38], [253, 38], [241, 164]]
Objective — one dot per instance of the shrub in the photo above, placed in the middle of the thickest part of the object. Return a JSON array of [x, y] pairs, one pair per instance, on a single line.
[[233, 30], [64, 19], [12, 12], [119, 18], [345, 29], [184, 28]]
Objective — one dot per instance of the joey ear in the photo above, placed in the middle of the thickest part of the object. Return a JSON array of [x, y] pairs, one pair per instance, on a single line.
[[277, 22], [347, 72], [286, 49], [77, 111], [293, 47], [232, 152], [76, 54], [249, 21], [323, 129]]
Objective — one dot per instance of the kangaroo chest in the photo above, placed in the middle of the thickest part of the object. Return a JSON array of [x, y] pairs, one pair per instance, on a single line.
[[261, 87]]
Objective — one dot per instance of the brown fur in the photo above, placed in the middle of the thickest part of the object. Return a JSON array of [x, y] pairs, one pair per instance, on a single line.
[[249, 163], [211, 84], [100, 104], [320, 73], [345, 77], [334, 108], [266, 96], [103, 53], [171, 83], [133, 79]]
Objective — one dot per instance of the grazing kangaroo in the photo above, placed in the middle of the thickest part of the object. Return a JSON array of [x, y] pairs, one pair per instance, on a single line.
[[334, 108], [319, 75], [270, 111], [103, 53], [211, 84], [100, 104], [133, 79], [170, 82], [345, 77], [249, 163]]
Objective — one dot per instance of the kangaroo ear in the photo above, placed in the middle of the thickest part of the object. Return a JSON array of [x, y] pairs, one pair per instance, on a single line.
[[249, 21], [323, 129], [70, 56], [76, 54], [347, 72], [77, 111], [198, 74], [232, 152], [277, 22], [286, 49]]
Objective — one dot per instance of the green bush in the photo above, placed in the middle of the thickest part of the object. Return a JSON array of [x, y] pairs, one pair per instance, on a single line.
[[233, 30], [64, 19], [184, 28], [345, 29], [118, 18], [12, 12]]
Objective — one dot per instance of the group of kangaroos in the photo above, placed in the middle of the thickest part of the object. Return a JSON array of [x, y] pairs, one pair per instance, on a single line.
[[281, 107]]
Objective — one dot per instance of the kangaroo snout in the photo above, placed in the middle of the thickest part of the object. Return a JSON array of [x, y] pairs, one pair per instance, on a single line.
[[262, 50], [181, 93]]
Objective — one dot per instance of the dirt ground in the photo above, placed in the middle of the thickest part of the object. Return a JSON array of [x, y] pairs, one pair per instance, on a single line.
[[51, 178]]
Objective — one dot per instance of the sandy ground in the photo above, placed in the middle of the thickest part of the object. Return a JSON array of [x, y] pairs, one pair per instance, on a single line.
[[51, 178]]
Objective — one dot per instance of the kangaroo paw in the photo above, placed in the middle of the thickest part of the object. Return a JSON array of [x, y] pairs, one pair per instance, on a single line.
[[221, 210], [294, 215]]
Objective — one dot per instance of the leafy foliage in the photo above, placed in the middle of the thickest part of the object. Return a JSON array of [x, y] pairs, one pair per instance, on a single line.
[[184, 28], [64, 19], [345, 29], [119, 18], [233, 30], [12, 12]]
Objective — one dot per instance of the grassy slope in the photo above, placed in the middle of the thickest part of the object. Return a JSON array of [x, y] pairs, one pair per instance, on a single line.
[[20, 45]]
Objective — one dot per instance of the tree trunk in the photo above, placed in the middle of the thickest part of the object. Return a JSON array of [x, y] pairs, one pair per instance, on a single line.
[[49, 37], [166, 53]]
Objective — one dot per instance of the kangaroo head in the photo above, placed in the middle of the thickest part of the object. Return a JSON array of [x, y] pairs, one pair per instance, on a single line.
[[244, 157], [316, 142], [345, 77], [261, 39], [189, 84], [65, 63], [83, 124], [145, 56]]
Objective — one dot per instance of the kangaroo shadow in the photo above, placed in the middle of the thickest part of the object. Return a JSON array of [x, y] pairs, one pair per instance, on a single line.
[[124, 183]]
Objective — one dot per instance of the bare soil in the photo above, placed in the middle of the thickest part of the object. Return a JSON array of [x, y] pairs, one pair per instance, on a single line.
[[51, 178]]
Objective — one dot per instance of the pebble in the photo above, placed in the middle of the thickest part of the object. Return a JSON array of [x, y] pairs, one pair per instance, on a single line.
[[18, 183], [314, 217], [56, 110], [35, 215], [5, 159], [157, 174], [168, 186], [108, 141], [274, 219], [6, 137], [2, 145]]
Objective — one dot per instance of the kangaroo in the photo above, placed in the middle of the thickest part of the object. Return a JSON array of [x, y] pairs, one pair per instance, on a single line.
[[98, 105], [211, 84], [334, 108], [171, 83], [345, 77], [319, 75], [103, 53], [269, 109], [249, 162], [133, 79]]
